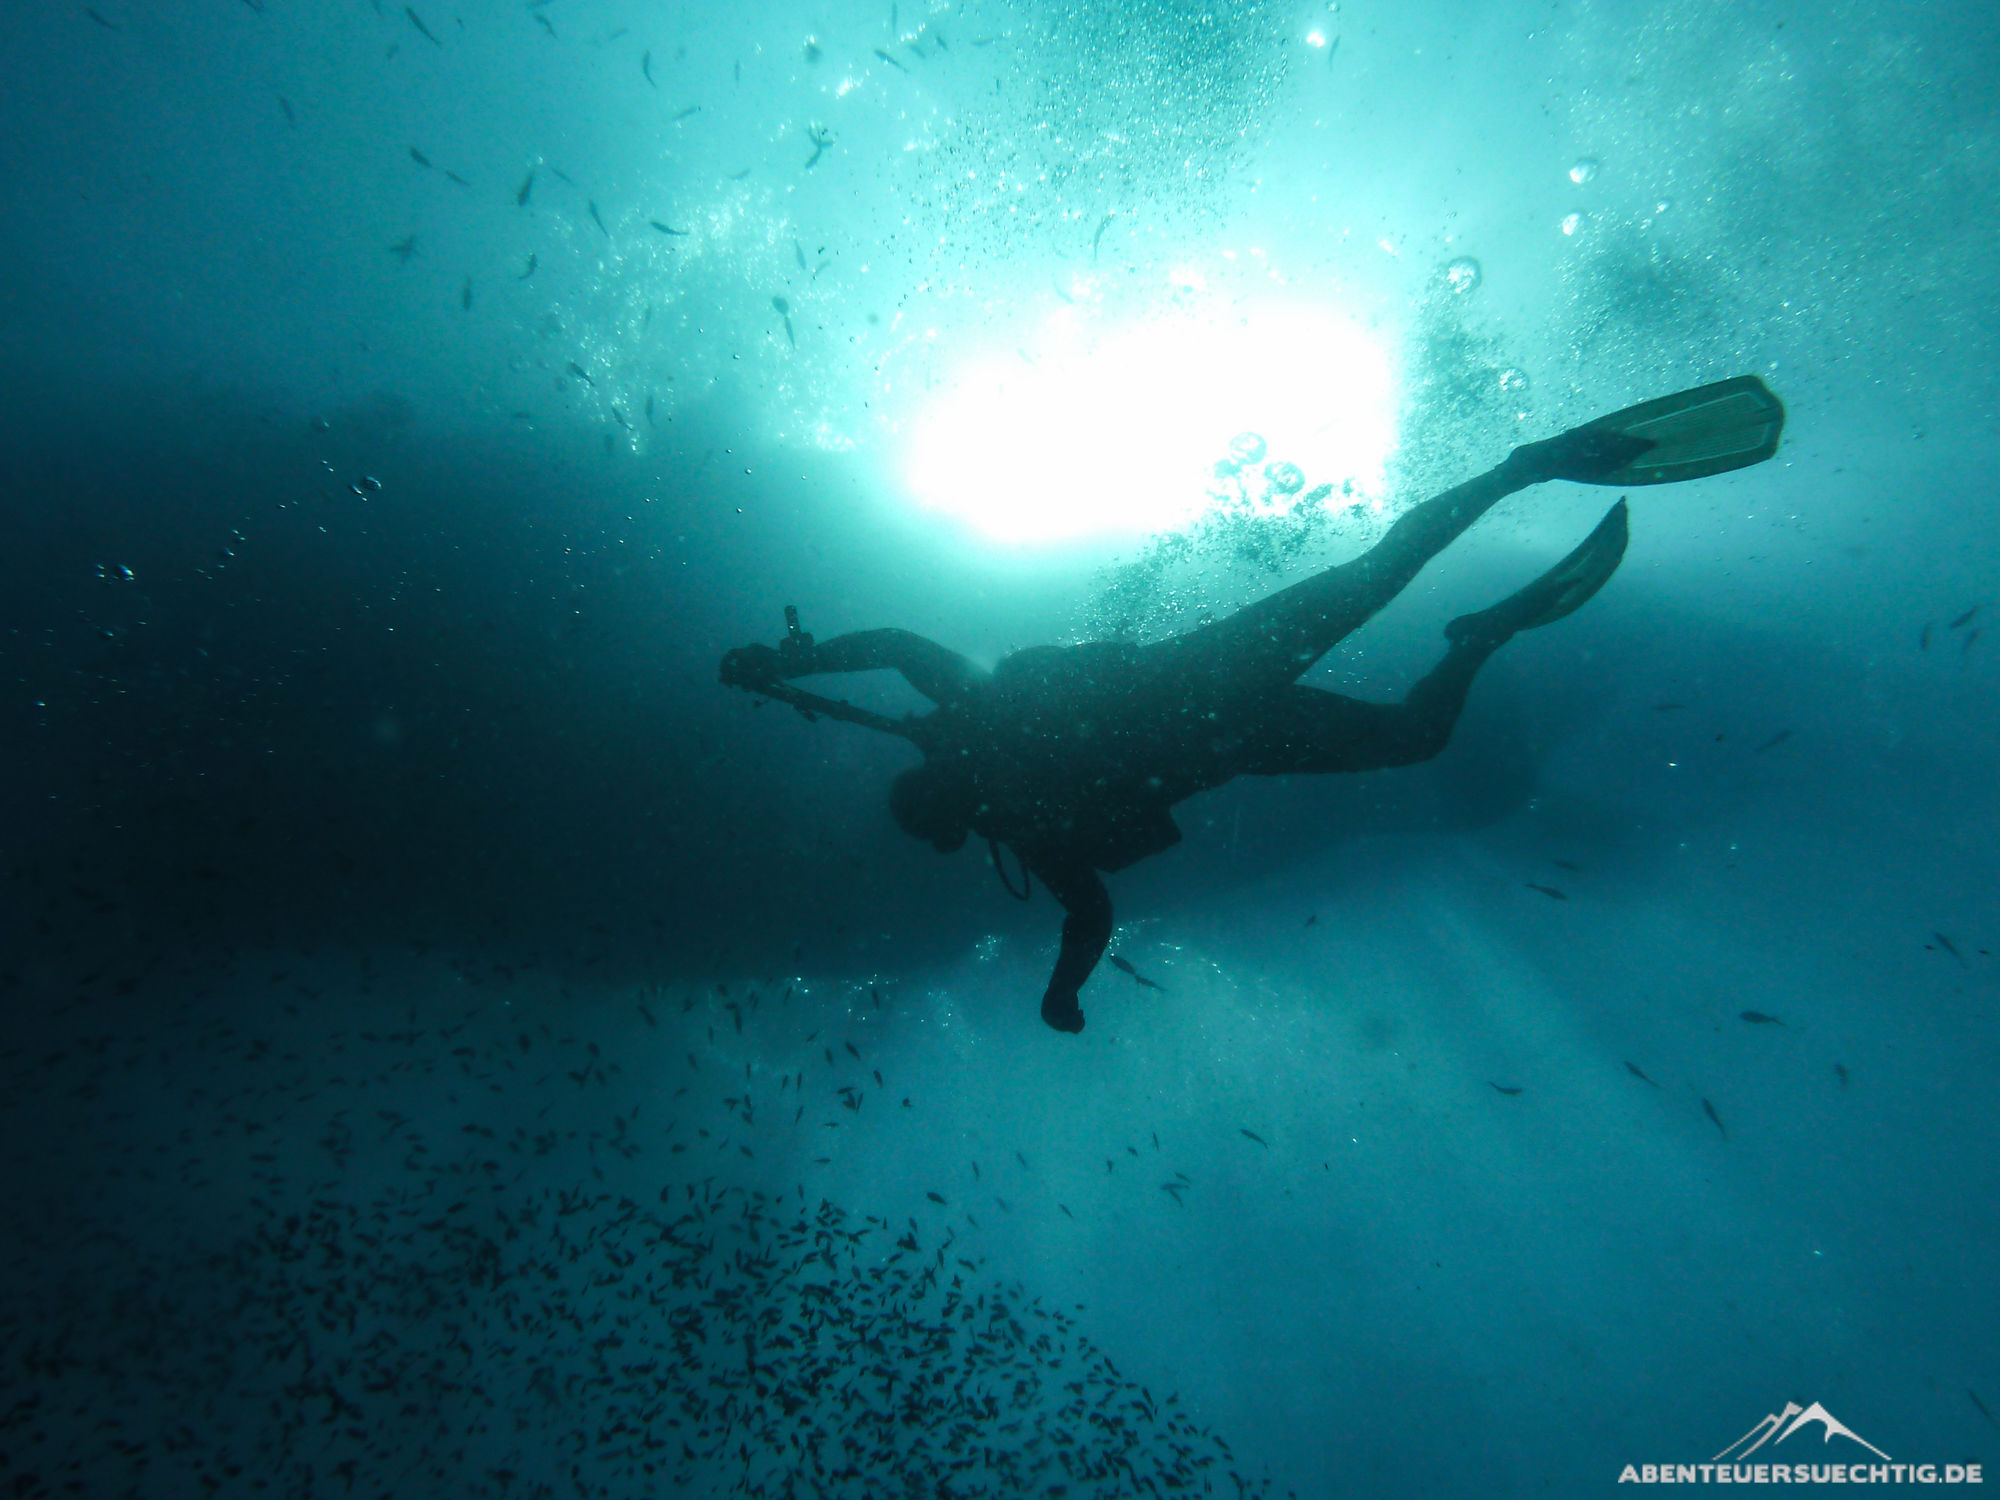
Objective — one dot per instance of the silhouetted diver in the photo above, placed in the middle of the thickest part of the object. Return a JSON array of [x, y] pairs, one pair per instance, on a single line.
[[1072, 755]]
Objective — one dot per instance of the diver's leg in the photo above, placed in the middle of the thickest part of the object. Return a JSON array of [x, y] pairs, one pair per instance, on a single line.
[[1309, 732], [1274, 640], [1306, 730]]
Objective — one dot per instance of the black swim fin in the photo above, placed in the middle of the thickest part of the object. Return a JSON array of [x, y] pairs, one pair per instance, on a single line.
[[1564, 589], [1689, 435]]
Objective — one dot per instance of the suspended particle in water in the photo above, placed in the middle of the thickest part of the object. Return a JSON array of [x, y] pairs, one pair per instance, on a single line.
[[1584, 170], [1514, 382], [812, 49], [1572, 223], [1284, 478], [1246, 447], [1463, 274], [1663, 205]]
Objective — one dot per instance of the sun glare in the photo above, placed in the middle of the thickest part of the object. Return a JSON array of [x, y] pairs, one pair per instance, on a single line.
[[1117, 429]]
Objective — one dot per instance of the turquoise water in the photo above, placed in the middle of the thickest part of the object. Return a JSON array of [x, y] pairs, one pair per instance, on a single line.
[[453, 1046]]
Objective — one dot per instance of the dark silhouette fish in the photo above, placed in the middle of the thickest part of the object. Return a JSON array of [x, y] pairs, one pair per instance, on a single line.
[[1924, 637], [418, 22], [1775, 740], [1840, 1072], [1547, 890], [1667, 708], [646, 67], [1949, 946], [1982, 1407], [1970, 636], [100, 19], [419, 158], [1569, 865], [1633, 1069], [891, 61], [1709, 1110], [1758, 1018], [404, 248], [1252, 1135], [666, 228], [686, 114], [291, 119], [531, 268], [1963, 620], [527, 187], [1312, 919], [1123, 967], [595, 218], [1503, 1088]]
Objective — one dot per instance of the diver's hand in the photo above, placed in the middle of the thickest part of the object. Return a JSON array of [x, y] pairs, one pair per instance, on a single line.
[[1583, 454], [753, 667], [1062, 1012]]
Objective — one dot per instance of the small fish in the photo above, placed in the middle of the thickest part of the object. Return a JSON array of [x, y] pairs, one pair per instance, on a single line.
[[799, 254], [404, 248], [1124, 967], [687, 114], [546, 25], [1970, 636], [596, 218], [891, 61], [667, 228], [419, 158], [418, 22], [1633, 1069], [291, 119], [1709, 1110], [739, 176], [1547, 890], [582, 374], [784, 311], [465, 295], [100, 19], [527, 187], [1097, 238], [1840, 1072], [1667, 708], [1948, 946], [451, 176], [1777, 739], [1253, 1136], [1963, 620], [1569, 865], [648, 1015], [1758, 1018], [1981, 1405], [821, 138], [1924, 637], [935, 1197], [1503, 1089], [649, 423], [561, 176], [646, 67], [531, 268], [1311, 919]]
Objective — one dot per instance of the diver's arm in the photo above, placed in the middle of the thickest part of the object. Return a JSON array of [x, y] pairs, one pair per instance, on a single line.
[[941, 675], [1086, 932]]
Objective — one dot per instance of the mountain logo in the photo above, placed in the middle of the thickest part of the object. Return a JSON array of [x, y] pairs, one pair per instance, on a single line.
[[1777, 1426]]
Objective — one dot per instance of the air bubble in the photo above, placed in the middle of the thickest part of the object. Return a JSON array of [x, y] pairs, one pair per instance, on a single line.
[[1584, 170], [1285, 478], [1246, 447], [1463, 274]]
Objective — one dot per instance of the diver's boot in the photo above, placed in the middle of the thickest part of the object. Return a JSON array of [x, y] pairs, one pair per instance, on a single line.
[[1062, 1012], [1558, 592]]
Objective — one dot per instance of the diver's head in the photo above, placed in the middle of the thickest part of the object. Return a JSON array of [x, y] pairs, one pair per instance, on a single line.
[[931, 803]]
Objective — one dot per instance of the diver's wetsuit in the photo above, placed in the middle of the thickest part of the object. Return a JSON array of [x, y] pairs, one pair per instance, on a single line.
[[1072, 756]]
